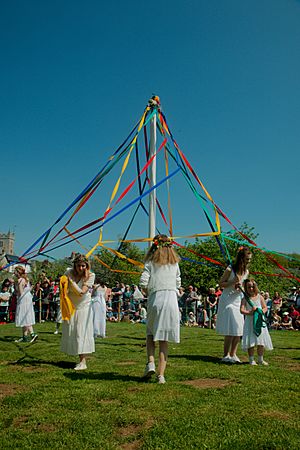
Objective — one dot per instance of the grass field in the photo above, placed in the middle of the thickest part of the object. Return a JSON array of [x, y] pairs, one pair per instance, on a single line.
[[45, 404]]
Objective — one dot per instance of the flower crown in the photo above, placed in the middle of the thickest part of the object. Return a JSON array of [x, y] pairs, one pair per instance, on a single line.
[[160, 242]]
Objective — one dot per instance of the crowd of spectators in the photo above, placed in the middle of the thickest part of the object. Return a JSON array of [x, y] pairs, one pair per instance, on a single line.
[[201, 310], [129, 303]]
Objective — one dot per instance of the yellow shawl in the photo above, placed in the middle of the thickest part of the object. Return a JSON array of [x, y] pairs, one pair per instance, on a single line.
[[66, 305]]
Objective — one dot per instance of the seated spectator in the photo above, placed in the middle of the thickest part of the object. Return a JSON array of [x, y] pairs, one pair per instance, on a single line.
[[191, 320], [142, 314], [295, 316], [286, 323], [275, 321], [277, 302]]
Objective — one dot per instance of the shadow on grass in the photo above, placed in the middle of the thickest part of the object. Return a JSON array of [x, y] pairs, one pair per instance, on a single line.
[[132, 337], [288, 348], [110, 376], [205, 358], [8, 338], [124, 344], [27, 360]]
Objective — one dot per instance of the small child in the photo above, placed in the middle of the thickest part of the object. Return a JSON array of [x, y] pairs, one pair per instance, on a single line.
[[24, 312], [161, 278], [255, 333]]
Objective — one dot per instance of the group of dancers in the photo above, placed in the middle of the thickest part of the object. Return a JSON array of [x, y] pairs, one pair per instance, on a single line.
[[241, 308]]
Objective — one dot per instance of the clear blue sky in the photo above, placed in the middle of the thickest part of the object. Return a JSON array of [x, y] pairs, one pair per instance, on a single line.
[[75, 77]]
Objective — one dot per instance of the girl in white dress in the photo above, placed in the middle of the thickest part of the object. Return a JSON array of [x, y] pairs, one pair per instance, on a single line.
[[255, 335], [161, 279], [230, 321], [99, 309], [24, 311], [78, 331]]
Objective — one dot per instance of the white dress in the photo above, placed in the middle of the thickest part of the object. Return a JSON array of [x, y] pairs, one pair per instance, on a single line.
[[78, 332], [24, 310], [99, 311], [230, 321], [163, 321], [249, 337]]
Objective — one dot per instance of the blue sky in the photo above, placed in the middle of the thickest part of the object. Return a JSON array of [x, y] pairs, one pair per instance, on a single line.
[[75, 77]]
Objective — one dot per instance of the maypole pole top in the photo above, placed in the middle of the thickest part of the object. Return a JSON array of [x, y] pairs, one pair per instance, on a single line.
[[154, 101]]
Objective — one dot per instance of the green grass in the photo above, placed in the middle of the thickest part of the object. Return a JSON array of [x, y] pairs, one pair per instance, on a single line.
[[45, 404]]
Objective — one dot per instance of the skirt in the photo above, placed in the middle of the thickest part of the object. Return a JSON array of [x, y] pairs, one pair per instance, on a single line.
[[163, 320], [24, 311], [78, 332]]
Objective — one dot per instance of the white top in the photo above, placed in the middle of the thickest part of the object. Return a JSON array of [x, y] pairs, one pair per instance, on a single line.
[[160, 277]]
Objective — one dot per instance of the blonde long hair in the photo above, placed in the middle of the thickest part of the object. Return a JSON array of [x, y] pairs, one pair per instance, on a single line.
[[79, 258], [21, 272], [161, 251]]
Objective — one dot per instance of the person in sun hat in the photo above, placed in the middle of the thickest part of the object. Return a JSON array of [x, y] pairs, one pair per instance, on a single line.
[[286, 322], [161, 279]]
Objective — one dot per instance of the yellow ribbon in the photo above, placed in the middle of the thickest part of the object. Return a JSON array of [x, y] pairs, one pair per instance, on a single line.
[[66, 305]]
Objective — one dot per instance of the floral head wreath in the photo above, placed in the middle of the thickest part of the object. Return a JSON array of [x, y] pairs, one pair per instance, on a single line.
[[80, 259], [159, 242]]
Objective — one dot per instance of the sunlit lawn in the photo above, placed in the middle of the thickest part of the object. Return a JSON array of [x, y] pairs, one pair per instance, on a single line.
[[45, 404]]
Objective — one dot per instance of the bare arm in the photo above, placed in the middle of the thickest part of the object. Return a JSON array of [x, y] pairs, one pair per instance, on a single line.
[[263, 305], [243, 308], [224, 281], [21, 285], [85, 286]]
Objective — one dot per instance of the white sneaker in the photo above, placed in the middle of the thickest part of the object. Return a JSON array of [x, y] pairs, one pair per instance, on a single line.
[[253, 363], [80, 366], [263, 363], [55, 332], [161, 379], [149, 370], [226, 359], [235, 359]]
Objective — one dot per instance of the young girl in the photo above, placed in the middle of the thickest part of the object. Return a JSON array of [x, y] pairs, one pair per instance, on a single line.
[[161, 278], [77, 326], [24, 312], [254, 336], [230, 321]]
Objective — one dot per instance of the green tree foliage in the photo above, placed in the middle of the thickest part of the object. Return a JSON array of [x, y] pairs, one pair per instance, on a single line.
[[108, 276], [206, 275], [196, 270]]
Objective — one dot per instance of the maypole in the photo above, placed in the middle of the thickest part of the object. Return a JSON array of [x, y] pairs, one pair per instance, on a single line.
[[153, 103]]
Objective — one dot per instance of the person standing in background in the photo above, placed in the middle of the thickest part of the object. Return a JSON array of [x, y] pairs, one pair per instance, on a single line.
[[230, 321]]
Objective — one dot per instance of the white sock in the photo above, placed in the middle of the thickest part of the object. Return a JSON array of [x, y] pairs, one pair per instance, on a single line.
[[251, 358], [260, 359]]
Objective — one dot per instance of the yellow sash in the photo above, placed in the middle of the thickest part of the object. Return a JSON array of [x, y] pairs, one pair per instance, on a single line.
[[66, 305]]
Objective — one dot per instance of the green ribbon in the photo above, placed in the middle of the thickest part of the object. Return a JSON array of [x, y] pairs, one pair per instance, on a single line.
[[259, 319]]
